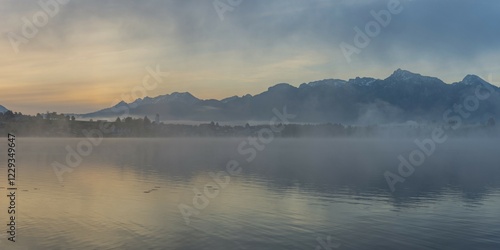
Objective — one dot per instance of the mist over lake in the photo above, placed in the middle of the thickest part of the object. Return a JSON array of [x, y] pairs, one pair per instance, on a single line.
[[295, 194]]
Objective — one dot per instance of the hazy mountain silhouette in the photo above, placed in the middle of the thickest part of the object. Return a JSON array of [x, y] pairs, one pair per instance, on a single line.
[[3, 109], [401, 97]]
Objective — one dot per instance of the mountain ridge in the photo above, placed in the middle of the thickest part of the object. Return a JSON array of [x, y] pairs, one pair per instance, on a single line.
[[400, 97]]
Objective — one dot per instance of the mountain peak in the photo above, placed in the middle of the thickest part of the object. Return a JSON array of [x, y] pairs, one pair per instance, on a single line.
[[175, 97], [327, 82], [182, 94], [3, 109], [121, 103], [401, 74], [363, 81], [281, 86], [472, 79]]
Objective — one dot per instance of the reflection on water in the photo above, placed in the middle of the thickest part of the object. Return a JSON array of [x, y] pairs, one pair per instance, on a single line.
[[125, 195]]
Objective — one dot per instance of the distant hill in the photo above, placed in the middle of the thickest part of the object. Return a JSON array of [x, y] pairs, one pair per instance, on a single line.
[[403, 96], [3, 109]]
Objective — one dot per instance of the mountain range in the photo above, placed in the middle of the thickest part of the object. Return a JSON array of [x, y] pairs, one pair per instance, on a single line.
[[401, 97]]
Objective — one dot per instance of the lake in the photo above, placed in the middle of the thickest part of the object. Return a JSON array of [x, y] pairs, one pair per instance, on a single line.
[[293, 194]]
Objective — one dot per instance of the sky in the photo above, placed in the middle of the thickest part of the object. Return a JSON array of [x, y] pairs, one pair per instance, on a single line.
[[78, 56]]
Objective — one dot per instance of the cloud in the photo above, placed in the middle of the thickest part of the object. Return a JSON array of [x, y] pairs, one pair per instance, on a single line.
[[110, 42]]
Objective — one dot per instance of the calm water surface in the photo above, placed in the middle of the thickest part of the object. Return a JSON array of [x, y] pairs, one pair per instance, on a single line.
[[126, 193]]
